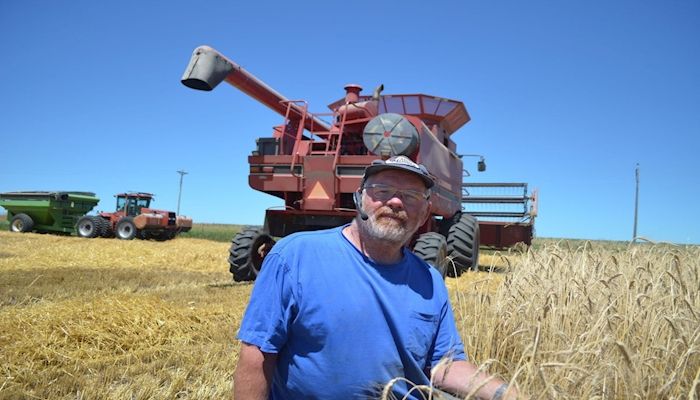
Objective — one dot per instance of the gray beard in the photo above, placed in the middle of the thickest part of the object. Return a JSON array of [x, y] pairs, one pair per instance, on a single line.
[[390, 231]]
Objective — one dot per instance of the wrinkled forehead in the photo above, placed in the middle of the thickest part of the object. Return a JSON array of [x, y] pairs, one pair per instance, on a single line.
[[398, 178]]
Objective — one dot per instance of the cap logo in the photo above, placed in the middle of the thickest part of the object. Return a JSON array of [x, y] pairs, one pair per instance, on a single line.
[[402, 160]]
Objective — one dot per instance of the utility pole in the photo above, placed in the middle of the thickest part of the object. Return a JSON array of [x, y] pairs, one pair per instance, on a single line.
[[636, 203], [179, 194]]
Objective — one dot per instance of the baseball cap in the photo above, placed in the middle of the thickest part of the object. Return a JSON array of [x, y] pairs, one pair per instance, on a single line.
[[401, 163]]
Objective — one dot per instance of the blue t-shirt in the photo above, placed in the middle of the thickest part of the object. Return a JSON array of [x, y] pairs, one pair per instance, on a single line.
[[343, 326]]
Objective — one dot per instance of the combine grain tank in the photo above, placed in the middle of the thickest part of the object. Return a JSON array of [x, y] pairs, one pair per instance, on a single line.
[[315, 162], [38, 211]]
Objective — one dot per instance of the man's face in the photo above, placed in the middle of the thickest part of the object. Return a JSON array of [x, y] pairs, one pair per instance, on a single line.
[[394, 216]]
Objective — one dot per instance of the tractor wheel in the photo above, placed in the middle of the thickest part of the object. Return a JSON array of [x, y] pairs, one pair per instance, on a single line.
[[463, 243], [21, 223], [106, 230], [162, 236], [248, 248], [431, 247], [88, 226], [126, 230]]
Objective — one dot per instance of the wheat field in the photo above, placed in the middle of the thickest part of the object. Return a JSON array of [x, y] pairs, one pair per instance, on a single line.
[[110, 319]]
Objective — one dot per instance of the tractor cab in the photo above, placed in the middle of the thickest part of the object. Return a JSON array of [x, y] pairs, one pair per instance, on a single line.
[[132, 203]]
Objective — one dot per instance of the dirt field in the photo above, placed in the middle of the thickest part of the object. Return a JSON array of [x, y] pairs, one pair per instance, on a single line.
[[110, 319]]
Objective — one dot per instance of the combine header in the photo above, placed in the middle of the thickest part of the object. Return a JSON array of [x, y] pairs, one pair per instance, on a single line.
[[315, 162]]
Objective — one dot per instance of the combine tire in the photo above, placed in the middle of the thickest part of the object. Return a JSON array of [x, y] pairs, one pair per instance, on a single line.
[[88, 226], [431, 247], [21, 223], [126, 230], [463, 243], [244, 258]]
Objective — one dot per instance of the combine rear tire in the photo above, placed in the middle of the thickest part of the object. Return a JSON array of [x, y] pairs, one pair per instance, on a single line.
[[245, 258], [431, 247], [463, 243], [88, 226], [126, 230], [21, 223]]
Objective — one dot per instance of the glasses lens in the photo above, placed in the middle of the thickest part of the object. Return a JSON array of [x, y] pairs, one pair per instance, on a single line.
[[412, 196], [383, 192]]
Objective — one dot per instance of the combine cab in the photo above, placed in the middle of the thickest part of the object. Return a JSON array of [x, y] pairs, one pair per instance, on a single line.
[[315, 162], [134, 218]]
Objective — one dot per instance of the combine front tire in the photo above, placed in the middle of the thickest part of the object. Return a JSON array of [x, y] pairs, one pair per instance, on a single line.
[[126, 229], [88, 226], [248, 248], [431, 247], [21, 223], [463, 243]]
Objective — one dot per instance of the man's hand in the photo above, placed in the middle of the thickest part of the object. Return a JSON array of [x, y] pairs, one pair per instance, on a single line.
[[462, 377]]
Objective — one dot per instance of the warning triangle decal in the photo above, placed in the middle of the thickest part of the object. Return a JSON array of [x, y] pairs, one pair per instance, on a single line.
[[317, 192]]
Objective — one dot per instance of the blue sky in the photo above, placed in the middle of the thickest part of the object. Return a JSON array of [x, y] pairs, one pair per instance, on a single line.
[[565, 95]]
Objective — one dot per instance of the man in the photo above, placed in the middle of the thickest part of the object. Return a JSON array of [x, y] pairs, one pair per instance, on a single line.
[[336, 314]]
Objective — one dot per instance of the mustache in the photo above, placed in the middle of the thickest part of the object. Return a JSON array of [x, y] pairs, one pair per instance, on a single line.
[[388, 212]]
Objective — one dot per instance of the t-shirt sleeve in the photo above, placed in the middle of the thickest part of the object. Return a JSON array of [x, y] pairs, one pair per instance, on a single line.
[[271, 308], [448, 342]]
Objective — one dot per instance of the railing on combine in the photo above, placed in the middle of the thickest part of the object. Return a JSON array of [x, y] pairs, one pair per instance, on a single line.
[[292, 132], [505, 211]]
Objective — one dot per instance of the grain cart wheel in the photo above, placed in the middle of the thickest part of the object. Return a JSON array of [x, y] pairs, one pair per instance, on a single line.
[[463, 243], [248, 248], [88, 226], [21, 223], [431, 247], [126, 230]]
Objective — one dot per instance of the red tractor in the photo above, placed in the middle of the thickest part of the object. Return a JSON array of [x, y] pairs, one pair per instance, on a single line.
[[133, 218], [315, 162]]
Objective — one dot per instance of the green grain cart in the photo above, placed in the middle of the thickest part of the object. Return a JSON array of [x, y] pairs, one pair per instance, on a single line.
[[55, 212]]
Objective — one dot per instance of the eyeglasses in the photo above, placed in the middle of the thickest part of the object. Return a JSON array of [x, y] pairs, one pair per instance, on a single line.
[[382, 192]]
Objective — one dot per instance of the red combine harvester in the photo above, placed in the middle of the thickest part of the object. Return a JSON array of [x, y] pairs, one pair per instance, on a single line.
[[315, 165]]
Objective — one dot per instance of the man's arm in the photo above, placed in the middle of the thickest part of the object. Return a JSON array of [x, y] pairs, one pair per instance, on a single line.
[[253, 375], [462, 377]]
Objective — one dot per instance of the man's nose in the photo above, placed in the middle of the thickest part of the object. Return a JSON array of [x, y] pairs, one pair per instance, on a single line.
[[396, 201]]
